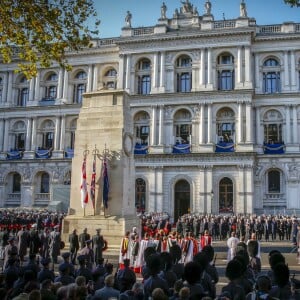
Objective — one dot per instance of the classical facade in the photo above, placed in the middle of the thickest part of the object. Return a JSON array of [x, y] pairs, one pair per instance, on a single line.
[[214, 109]]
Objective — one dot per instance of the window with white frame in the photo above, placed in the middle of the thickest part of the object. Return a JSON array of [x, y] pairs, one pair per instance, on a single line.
[[45, 183], [80, 82], [110, 79], [142, 128], [273, 127], [70, 134], [271, 76], [225, 69], [225, 123], [274, 181], [182, 127], [19, 134], [51, 84], [22, 87], [183, 74], [16, 183], [47, 134], [143, 76]]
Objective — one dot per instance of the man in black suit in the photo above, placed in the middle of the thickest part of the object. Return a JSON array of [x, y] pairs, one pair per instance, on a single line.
[[74, 245], [83, 237]]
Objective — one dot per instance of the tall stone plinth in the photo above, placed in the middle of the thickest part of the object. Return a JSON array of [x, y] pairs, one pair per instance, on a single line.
[[104, 129]]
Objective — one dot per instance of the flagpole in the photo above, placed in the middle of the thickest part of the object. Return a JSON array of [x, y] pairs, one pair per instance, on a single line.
[[83, 181], [93, 184]]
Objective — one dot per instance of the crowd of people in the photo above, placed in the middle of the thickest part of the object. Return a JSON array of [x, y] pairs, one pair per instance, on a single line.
[[159, 259]]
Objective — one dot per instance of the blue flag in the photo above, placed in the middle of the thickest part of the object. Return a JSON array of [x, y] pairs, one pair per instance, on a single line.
[[105, 184]]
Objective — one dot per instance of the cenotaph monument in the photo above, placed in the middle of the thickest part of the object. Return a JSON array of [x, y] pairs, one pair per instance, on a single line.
[[104, 135]]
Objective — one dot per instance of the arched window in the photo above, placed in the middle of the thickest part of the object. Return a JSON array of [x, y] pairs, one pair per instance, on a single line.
[[225, 69], [184, 74], [140, 195], [47, 134], [274, 181], [143, 73], [225, 121], [226, 195], [271, 76], [182, 198], [22, 87], [183, 127], [51, 83], [45, 183], [70, 134], [19, 134], [141, 125], [80, 82], [273, 127], [110, 79]]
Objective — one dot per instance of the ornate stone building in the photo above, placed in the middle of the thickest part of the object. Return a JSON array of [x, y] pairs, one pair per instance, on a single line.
[[214, 111]]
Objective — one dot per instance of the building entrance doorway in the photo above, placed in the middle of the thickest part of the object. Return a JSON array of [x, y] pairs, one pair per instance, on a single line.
[[226, 196], [182, 199]]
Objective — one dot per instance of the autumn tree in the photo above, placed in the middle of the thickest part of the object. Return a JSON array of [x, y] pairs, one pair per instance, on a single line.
[[293, 2], [37, 32]]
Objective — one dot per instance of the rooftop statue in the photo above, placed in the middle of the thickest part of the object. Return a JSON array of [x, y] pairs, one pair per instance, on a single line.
[[207, 7], [128, 19], [243, 10], [163, 11], [187, 7]]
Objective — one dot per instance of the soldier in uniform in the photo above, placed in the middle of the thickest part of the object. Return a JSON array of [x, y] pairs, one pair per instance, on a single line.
[[34, 240], [83, 237], [45, 243], [10, 251], [22, 238], [74, 245], [55, 244], [98, 246]]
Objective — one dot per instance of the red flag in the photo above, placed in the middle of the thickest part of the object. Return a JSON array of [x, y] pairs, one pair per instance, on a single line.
[[93, 183], [83, 187]]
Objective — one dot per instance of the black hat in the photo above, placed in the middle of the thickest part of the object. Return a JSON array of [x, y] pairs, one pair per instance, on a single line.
[[65, 255], [45, 261]]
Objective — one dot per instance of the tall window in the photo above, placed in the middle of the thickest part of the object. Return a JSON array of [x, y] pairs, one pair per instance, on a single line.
[[45, 180], [225, 125], [273, 127], [19, 134], [80, 82], [274, 181], [110, 79], [22, 86], [271, 76], [48, 140], [51, 87], [142, 128], [182, 127], [184, 74], [143, 71], [16, 185], [226, 195], [70, 134], [140, 195], [46, 134], [225, 72]]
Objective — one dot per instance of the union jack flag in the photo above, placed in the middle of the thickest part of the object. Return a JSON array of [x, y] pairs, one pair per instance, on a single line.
[[93, 183], [83, 187]]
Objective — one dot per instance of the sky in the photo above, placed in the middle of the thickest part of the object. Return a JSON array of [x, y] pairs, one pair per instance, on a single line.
[[146, 12]]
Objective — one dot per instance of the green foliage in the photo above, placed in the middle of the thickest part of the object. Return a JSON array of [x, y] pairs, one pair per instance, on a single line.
[[38, 32], [292, 3]]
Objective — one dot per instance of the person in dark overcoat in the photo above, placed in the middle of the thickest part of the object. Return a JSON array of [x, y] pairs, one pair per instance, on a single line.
[[55, 244], [34, 240], [23, 239], [45, 243], [83, 237], [74, 245], [98, 245]]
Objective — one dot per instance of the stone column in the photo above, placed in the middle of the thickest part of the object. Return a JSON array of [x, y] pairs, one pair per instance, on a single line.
[[127, 78], [28, 134], [286, 70], [209, 67], [151, 205], [202, 124], [295, 125], [31, 90], [239, 66], [6, 135], [159, 189], [9, 87], [161, 125], [5, 86], [66, 87], [1, 134], [259, 140], [162, 71], [240, 122], [57, 133], [248, 69], [249, 122], [154, 73], [37, 96], [202, 199], [202, 68], [293, 69], [60, 84], [209, 123], [33, 135], [62, 133], [89, 79], [120, 84], [209, 188], [239, 201], [95, 79], [153, 126], [288, 124], [249, 189], [258, 77]]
